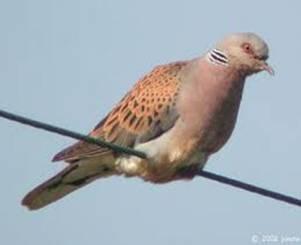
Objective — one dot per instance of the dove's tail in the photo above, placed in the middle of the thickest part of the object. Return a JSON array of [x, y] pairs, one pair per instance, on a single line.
[[71, 178]]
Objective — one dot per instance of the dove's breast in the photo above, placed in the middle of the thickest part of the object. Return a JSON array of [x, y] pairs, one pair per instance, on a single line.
[[208, 104]]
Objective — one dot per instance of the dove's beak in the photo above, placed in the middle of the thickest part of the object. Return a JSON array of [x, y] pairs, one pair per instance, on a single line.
[[265, 67]]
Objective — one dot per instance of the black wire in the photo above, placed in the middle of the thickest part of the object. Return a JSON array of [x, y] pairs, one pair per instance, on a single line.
[[120, 149], [252, 188], [69, 133]]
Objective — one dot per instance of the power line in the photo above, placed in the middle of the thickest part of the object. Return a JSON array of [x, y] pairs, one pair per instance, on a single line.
[[69, 133], [252, 188], [125, 150]]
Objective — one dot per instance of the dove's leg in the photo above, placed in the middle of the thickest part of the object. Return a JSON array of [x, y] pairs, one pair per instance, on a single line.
[[188, 172]]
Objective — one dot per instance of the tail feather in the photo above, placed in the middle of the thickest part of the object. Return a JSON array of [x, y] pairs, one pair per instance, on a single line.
[[68, 180]]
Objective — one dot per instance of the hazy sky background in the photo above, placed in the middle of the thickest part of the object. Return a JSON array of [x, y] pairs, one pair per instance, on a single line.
[[67, 62]]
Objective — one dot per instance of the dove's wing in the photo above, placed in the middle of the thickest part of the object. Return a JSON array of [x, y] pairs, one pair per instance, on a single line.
[[146, 112]]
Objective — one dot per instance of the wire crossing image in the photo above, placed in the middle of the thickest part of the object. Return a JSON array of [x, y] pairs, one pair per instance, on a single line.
[[129, 151]]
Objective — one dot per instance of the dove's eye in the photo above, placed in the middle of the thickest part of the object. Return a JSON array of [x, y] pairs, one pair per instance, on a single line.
[[247, 48]]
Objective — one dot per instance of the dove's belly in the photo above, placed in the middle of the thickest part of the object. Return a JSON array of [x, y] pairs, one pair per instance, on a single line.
[[167, 159], [161, 172]]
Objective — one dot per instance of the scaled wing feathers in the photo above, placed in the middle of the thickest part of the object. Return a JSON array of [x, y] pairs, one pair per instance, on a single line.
[[146, 112]]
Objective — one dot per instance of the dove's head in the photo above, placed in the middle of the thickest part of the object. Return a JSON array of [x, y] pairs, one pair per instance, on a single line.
[[247, 52]]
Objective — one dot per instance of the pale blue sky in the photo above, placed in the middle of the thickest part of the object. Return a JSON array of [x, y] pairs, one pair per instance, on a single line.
[[67, 62]]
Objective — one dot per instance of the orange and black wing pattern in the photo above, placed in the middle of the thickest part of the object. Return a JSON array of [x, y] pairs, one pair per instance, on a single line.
[[144, 113]]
